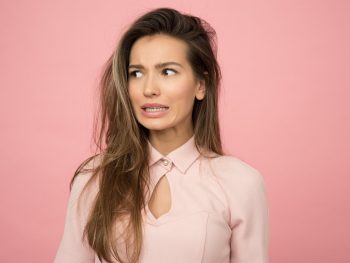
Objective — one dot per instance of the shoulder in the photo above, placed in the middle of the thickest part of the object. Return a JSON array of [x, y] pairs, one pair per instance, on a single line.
[[85, 175], [233, 169], [243, 186], [238, 179]]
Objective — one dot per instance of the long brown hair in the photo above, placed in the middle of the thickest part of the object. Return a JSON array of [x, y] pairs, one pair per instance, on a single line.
[[122, 172]]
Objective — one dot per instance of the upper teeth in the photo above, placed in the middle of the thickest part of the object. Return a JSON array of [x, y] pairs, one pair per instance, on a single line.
[[156, 109]]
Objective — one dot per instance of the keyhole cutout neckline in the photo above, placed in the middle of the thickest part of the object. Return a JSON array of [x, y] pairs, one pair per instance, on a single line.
[[160, 202]]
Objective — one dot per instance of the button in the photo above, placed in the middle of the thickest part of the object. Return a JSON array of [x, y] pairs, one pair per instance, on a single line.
[[165, 162]]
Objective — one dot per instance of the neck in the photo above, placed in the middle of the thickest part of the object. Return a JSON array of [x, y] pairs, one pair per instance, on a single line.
[[166, 143]]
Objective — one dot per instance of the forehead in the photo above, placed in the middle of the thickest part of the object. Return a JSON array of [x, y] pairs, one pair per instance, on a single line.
[[150, 50]]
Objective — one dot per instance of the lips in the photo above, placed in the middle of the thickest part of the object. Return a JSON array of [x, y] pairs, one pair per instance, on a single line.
[[153, 105], [154, 110]]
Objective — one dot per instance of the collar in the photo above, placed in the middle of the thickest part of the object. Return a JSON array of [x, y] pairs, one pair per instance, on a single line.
[[182, 157]]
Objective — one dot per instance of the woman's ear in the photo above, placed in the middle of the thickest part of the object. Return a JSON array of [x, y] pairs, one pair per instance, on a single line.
[[201, 88], [200, 92]]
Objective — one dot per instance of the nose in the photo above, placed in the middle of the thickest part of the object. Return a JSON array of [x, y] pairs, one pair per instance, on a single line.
[[151, 86]]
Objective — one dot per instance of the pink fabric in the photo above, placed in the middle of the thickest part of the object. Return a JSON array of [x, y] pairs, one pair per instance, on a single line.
[[219, 213]]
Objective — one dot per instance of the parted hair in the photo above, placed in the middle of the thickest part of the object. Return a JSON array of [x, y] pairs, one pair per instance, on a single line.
[[122, 172]]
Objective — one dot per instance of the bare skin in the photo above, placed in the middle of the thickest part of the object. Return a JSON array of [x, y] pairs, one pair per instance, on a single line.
[[172, 85]]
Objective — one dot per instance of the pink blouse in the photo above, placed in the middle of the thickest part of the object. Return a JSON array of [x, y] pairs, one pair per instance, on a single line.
[[218, 214]]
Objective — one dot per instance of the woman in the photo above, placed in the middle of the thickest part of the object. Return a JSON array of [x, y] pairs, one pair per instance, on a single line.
[[161, 189]]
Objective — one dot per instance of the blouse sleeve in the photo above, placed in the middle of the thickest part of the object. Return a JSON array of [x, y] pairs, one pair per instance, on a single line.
[[71, 248], [250, 226]]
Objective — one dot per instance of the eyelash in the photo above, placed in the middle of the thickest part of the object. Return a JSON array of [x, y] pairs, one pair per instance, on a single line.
[[132, 73]]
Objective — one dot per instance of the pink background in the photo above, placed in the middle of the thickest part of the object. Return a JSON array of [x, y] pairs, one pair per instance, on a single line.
[[284, 109]]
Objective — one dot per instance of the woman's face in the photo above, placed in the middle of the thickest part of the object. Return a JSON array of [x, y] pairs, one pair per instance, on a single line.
[[160, 74]]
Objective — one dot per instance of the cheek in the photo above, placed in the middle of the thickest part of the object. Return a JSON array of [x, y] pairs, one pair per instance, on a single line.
[[133, 95], [183, 96]]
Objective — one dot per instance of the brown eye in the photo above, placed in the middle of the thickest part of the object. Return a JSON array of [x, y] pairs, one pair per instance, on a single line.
[[169, 70], [133, 73]]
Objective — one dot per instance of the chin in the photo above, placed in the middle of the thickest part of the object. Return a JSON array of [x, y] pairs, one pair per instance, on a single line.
[[154, 126]]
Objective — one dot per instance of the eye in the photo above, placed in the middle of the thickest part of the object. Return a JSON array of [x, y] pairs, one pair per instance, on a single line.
[[169, 70], [133, 73]]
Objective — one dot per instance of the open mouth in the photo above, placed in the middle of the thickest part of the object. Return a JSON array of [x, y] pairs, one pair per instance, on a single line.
[[155, 109]]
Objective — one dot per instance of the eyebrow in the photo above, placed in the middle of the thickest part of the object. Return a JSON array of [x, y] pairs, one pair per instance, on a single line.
[[159, 65]]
